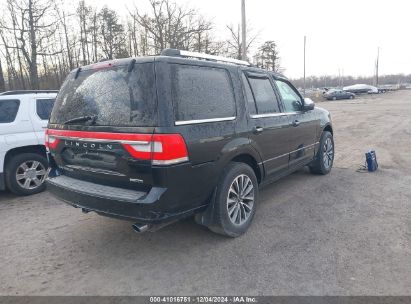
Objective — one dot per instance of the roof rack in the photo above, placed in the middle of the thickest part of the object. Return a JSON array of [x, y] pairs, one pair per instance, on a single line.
[[22, 92], [187, 54]]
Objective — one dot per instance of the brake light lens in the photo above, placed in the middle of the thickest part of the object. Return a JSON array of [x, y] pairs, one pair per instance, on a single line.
[[161, 149], [51, 141]]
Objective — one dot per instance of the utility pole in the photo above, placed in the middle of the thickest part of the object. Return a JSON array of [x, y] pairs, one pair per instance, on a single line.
[[376, 67], [244, 32], [305, 40]]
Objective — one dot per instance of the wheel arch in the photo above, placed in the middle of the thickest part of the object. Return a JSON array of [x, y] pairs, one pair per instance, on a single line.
[[38, 149], [329, 128], [251, 161]]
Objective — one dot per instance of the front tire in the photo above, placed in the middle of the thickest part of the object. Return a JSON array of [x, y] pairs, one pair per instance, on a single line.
[[235, 200], [25, 173], [325, 156]]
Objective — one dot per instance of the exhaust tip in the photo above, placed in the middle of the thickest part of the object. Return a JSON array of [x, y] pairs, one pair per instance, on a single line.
[[140, 228]]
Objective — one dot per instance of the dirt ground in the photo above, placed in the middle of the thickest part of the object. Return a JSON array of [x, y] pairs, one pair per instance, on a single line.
[[347, 233]]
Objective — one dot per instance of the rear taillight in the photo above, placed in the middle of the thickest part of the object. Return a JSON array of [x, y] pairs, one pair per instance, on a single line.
[[51, 141], [161, 149]]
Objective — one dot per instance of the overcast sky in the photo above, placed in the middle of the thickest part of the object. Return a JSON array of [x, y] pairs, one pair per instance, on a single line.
[[340, 34]]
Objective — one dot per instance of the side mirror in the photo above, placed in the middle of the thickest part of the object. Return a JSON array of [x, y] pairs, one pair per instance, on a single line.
[[308, 104]]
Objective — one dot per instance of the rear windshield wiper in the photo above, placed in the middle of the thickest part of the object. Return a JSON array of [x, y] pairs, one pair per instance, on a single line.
[[85, 118]]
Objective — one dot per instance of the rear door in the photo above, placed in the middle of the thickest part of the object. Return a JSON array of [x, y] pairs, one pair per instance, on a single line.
[[269, 128], [303, 124], [102, 122]]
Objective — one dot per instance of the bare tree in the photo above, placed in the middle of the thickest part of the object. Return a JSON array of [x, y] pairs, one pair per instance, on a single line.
[[234, 42], [169, 25], [30, 30], [2, 82]]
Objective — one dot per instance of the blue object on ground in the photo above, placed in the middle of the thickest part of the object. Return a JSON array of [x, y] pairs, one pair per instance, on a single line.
[[371, 159]]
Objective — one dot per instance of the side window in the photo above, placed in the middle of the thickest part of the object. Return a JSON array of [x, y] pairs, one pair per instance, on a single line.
[[8, 110], [44, 107], [202, 93], [265, 98], [291, 100], [249, 95]]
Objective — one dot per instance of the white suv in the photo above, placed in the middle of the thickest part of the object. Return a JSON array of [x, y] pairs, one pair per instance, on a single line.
[[23, 162]]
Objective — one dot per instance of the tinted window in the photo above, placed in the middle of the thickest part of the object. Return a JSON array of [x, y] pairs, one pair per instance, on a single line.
[[44, 107], [202, 93], [249, 95], [117, 97], [265, 97], [291, 100], [8, 110]]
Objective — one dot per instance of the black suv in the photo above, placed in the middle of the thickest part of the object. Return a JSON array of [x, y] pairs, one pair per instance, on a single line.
[[156, 139]]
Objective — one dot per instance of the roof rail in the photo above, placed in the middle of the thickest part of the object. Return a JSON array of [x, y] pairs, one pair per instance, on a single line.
[[187, 54], [22, 92]]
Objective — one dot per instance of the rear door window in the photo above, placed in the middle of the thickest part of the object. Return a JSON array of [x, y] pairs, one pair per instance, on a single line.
[[8, 110], [202, 93], [112, 94], [265, 98], [44, 107]]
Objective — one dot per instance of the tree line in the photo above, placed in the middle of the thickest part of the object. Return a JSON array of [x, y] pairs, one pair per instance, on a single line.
[[342, 81], [42, 40]]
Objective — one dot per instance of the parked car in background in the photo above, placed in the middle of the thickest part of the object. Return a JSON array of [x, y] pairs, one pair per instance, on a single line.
[[361, 89], [23, 118], [338, 94], [156, 139]]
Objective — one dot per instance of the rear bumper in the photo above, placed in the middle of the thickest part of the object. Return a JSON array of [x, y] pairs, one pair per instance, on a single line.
[[144, 207]]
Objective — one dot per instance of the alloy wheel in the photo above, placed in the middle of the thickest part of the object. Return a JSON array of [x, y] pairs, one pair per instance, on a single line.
[[30, 174], [328, 153], [240, 199]]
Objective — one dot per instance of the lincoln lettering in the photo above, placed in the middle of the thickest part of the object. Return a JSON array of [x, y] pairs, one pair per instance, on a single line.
[[88, 145]]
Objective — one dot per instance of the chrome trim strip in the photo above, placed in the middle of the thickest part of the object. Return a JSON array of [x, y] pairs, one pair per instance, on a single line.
[[169, 162], [130, 142], [268, 115], [199, 121], [274, 114], [282, 155]]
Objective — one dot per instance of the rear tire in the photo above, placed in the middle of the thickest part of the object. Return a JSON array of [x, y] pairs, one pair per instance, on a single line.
[[235, 200], [25, 173], [325, 156]]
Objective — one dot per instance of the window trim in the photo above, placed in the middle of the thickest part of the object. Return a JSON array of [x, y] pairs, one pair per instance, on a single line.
[[205, 120], [44, 98], [200, 121], [17, 112]]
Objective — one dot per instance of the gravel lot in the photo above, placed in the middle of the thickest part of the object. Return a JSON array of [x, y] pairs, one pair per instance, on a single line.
[[347, 233]]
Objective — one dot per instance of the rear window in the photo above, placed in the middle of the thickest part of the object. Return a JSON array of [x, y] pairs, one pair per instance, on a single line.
[[202, 93], [8, 110], [44, 107], [117, 97]]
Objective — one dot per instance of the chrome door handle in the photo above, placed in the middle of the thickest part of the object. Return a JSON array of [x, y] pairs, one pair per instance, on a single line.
[[295, 123]]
